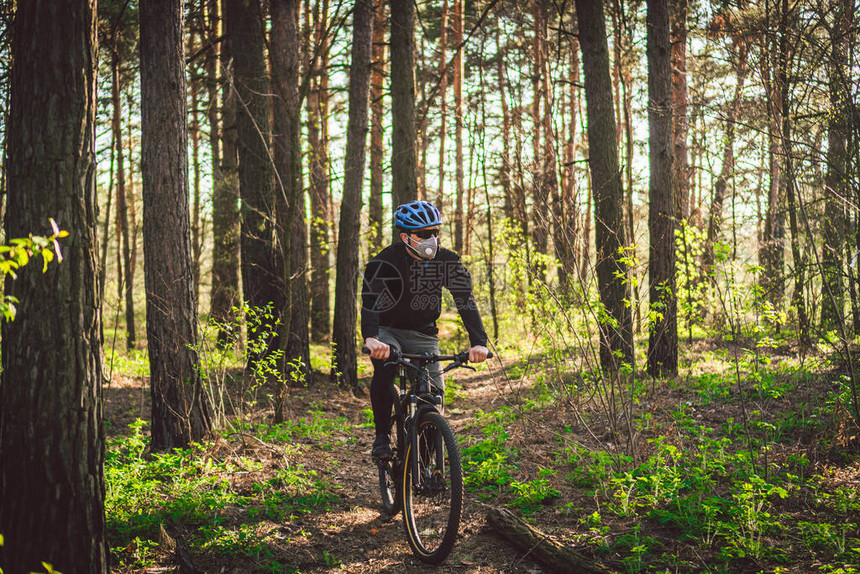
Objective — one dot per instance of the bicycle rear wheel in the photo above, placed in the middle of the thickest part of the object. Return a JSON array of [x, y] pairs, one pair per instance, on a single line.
[[389, 487], [433, 497]]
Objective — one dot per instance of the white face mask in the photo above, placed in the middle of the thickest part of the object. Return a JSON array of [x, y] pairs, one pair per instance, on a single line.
[[425, 248]]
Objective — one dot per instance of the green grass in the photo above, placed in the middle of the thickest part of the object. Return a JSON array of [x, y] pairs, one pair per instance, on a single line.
[[131, 363], [188, 487]]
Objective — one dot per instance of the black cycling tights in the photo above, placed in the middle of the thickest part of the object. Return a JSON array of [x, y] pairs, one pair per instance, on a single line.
[[381, 399]]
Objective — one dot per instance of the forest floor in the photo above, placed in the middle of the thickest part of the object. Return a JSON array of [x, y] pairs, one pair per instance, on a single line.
[[758, 443], [352, 533]]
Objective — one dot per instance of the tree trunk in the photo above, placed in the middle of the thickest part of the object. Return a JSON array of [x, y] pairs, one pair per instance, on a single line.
[[782, 82], [290, 205], [540, 546], [403, 176], [320, 194], [551, 191], [262, 261], [617, 335], [180, 411], [196, 217], [377, 75], [105, 230], [506, 168], [623, 36], [772, 250], [211, 82], [443, 103], [835, 183], [585, 263], [123, 235], [225, 212], [422, 122], [663, 335], [678, 31], [52, 440], [346, 285], [457, 29], [715, 217], [131, 199], [544, 155], [567, 233], [490, 255]]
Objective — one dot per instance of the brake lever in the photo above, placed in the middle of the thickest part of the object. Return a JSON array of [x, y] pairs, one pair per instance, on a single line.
[[455, 365], [394, 359]]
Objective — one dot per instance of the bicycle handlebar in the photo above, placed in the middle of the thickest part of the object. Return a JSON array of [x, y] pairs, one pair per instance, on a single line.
[[395, 356]]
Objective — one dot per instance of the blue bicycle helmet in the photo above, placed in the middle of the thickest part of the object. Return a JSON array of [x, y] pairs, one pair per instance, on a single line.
[[417, 215]]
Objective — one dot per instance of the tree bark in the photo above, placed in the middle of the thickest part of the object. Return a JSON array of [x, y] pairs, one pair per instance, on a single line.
[[346, 285], [126, 270], [623, 84], [52, 438], [225, 211], [289, 202], [319, 184], [194, 135], [403, 175], [727, 169], [551, 191], [835, 183], [443, 103], [105, 230], [678, 31], [787, 126], [506, 168], [544, 150], [566, 218], [180, 410], [131, 199], [772, 250], [457, 29], [663, 332], [377, 75], [616, 335], [423, 122], [262, 260], [539, 546]]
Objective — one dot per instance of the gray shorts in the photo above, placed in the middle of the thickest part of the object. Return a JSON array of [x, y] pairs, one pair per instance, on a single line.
[[415, 342]]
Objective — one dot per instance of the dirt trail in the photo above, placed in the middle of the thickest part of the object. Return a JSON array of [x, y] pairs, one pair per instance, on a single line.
[[365, 541], [354, 535]]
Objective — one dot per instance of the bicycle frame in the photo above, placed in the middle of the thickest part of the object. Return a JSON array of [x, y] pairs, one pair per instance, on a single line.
[[411, 401]]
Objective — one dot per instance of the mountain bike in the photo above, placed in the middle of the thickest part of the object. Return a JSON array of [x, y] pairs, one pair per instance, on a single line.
[[424, 477]]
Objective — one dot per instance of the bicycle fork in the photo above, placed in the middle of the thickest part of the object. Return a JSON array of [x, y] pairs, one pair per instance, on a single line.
[[411, 424]]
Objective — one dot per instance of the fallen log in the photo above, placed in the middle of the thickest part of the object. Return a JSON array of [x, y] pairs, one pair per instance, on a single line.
[[539, 546]]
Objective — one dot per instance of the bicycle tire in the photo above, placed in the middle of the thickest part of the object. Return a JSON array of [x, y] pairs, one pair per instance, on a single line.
[[433, 500], [389, 487]]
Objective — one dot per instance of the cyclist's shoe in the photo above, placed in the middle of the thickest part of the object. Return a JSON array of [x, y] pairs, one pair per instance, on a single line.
[[381, 448]]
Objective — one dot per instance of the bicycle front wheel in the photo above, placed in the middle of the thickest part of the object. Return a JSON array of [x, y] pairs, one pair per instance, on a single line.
[[432, 489]]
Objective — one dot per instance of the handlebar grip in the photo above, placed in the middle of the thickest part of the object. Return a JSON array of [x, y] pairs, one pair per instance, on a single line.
[[365, 351], [490, 355]]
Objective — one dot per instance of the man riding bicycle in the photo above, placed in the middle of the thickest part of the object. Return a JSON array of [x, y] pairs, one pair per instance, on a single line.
[[401, 301]]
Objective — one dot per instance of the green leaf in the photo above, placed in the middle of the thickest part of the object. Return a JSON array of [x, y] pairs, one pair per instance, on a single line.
[[22, 257]]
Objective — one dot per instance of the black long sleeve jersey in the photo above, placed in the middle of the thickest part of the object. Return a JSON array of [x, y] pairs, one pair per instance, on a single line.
[[402, 292]]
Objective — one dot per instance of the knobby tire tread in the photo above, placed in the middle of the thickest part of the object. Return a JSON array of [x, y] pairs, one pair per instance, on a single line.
[[438, 553]]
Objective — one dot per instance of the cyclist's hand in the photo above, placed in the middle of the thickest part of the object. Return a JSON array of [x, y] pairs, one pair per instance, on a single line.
[[378, 349], [478, 354]]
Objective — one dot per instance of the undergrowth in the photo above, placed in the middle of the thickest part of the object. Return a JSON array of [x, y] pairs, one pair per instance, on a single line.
[[199, 489]]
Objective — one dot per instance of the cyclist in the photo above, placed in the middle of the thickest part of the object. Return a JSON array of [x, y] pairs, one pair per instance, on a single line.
[[401, 301]]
